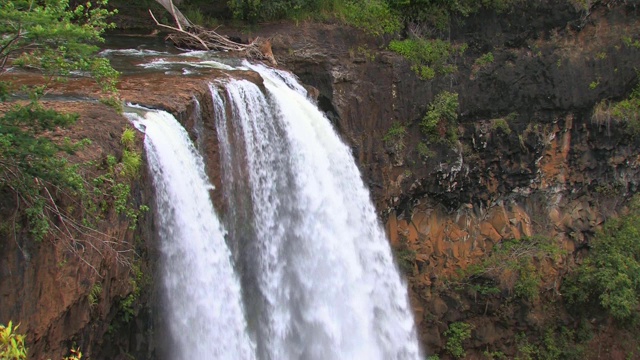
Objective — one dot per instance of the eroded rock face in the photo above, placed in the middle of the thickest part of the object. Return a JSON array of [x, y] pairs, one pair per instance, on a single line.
[[49, 287], [552, 171]]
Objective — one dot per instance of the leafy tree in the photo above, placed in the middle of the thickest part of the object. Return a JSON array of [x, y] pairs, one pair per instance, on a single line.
[[438, 13], [50, 36], [609, 276], [457, 333], [441, 120], [373, 16], [58, 40]]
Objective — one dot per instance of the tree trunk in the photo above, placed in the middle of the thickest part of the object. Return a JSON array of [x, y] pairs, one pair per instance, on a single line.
[[181, 20]]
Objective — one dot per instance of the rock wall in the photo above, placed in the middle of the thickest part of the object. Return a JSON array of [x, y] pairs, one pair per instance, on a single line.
[[49, 287], [552, 171]]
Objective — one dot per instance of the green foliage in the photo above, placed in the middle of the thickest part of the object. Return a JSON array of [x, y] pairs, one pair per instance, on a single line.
[[131, 163], [484, 60], [502, 125], [376, 17], [440, 122], [131, 159], [560, 344], [494, 355], [128, 137], [630, 42], [485, 289], [373, 16], [395, 136], [29, 161], [554, 343], [368, 54], [609, 277], [438, 13], [424, 151], [127, 309], [94, 294], [594, 84], [525, 350], [428, 57], [11, 343], [197, 17], [113, 102], [112, 188], [516, 257], [406, 260], [75, 354], [405, 256], [626, 112], [56, 39], [527, 285], [457, 333], [51, 36]]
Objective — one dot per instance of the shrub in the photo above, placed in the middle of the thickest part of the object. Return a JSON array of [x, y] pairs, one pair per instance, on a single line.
[[128, 137], [428, 57], [512, 262], [94, 294], [440, 122], [626, 111], [630, 42], [373, 16], [501, 124], [131, 159], [457, 333], [437, 13], [131, 163], [609, 276], [484, 60], [395, 136], [424, 151], [11, 343], [57, 39]]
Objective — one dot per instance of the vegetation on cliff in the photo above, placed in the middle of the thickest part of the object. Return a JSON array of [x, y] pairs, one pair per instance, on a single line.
[[57, 40], [609, 276]]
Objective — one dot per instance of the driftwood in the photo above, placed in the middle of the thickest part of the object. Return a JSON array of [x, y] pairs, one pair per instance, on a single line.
[[187, 35]]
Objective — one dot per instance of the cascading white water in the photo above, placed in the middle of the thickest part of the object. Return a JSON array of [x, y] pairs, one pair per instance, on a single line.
[[203, 297], [317, 269]]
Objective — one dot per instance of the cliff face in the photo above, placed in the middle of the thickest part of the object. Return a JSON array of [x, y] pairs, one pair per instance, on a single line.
[[66, 290], [530, 160], [96, 289]]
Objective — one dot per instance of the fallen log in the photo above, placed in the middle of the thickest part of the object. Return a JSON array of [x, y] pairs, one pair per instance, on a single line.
[[186, 35]]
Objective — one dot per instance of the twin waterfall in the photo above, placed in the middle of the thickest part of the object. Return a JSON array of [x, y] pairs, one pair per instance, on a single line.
[[298, 267]]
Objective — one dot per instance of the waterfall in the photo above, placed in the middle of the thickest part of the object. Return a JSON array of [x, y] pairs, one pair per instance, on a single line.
[[316, 268], [203, 303]]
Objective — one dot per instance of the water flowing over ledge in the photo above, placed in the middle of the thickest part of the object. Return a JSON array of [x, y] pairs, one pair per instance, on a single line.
[[202, 294], [305, 261]]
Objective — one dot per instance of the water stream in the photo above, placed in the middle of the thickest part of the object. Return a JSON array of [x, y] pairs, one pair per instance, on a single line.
[[203, 302], [315, 260], [298, 267]]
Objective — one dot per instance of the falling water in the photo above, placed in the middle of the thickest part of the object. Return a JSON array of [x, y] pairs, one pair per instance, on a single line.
[[203, 298], [317, 270]]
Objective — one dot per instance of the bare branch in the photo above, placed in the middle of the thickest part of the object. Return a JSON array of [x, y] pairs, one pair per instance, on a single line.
[[180, 31]]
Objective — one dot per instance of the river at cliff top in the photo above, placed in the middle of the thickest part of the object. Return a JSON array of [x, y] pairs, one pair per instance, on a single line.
[[132, 54]]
